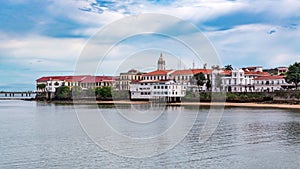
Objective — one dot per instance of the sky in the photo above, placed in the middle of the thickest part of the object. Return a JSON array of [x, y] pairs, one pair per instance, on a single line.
[[41, 38]]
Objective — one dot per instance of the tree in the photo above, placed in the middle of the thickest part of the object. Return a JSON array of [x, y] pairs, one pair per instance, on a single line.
[[104, 92], [293, 74], [41, 87], [200, 78], [208, 83], [63, 92], [228, 67]]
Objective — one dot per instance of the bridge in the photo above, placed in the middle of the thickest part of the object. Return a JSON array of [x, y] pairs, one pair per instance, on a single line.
[[17, 95]]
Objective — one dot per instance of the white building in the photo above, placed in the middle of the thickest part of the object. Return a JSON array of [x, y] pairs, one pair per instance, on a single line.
[[166, 90], [237, 80], [269, 83]]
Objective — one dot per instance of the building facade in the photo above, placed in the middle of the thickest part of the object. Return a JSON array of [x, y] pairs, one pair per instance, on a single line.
[[269, 83], [166, 90], [124, 80], [84, 82]]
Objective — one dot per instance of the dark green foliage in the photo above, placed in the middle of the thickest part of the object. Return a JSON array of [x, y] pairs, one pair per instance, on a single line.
[[103, 92], [293, 74], [63, 92], [200, 79], [208, 83], [228, 67], [41, 87]]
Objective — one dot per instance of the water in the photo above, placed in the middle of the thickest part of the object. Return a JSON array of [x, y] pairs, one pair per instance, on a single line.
[[41, 135]]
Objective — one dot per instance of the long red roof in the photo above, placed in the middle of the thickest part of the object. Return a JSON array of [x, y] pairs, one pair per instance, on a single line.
[[157, 72], [192, 71], [269, 77], [83, 78]]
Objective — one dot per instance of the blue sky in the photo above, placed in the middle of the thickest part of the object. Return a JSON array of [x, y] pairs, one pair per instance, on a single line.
[[39, 38]]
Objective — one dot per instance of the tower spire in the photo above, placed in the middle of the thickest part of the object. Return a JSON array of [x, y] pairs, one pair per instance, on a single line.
[[161, 64]]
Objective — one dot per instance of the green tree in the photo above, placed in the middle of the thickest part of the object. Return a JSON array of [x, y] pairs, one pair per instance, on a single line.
[[293, 74], [228, 67], [208, 83], [200, 78], [63, 92], [104, 92], [41, 87]]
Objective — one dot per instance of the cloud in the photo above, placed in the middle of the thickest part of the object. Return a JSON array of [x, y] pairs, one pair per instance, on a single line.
[[252, 44]]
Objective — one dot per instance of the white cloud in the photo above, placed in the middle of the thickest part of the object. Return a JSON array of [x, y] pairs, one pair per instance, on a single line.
[[252, 44]]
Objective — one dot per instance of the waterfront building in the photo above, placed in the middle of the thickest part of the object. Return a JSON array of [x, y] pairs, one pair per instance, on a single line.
[[237, 80], [186, 77], [124, 80], [167, 90], [85, 82], [270, 83]]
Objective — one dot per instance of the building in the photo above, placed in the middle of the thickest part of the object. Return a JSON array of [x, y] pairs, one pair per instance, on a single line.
[[161, 63], [237, 80], [125, 79], [167, 90], [85, 82], [186, 77], [277, 71], [270, 83]]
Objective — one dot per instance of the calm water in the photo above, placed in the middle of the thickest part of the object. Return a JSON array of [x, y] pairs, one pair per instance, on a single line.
[[40, 135]]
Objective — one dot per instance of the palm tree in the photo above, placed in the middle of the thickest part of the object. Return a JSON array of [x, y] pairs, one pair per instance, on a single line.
[[228, 67], [41, 87]]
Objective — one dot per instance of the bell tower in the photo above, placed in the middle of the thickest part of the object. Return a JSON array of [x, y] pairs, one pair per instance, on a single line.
[[161, 64]]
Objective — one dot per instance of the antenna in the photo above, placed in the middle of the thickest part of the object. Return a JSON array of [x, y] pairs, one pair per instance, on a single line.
[[193, 64]]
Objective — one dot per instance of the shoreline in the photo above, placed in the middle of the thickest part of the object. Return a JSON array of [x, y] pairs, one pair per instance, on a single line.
[[204, 104]]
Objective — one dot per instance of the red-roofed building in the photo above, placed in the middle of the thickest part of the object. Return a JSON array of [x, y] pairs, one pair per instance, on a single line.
[[238, 80], [269, 83], [84, 81], [157, 75]]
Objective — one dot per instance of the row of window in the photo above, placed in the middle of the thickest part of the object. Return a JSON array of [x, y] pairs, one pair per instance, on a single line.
[[159, 93], [154, 77], [269, 82]]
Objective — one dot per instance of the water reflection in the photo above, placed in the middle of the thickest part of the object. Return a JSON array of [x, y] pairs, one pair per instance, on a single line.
[[43, 135]]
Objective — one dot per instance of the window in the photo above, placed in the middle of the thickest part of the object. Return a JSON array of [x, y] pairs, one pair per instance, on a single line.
[[158, 87], [154, 87], [56, 84], [166, 87]]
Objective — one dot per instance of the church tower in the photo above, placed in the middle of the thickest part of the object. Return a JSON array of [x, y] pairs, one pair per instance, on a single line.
[[161, 64]]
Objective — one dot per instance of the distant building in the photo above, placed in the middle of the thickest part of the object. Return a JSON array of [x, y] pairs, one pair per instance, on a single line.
[[186, 77], [85, 82], [161, 63], [167, 90], [269, 83], [125, 79], [277, 71], [237, 80]]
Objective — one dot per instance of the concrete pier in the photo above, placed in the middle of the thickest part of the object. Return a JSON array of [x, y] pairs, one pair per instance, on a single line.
[[17, 95]]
